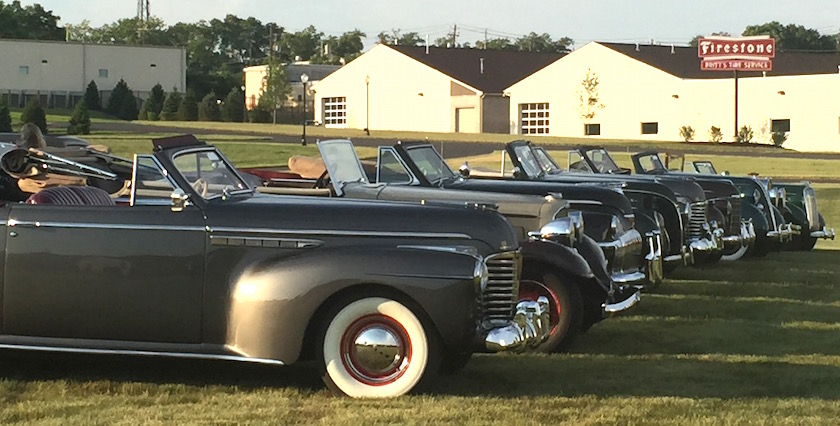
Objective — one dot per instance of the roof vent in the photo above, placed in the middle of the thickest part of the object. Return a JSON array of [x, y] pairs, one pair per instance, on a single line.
[[481, 60], [672, 49], [637, 47]]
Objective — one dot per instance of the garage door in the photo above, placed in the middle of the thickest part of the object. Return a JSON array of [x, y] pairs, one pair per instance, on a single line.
[[466, 120]]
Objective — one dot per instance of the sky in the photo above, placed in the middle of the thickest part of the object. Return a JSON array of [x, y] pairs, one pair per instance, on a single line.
[[627, 21]]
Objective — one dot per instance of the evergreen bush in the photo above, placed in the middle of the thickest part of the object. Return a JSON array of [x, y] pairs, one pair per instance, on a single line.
[[34, 113], [80, 120]]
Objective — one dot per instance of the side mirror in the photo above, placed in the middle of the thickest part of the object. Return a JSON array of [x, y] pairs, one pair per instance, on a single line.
[[179, 199], [464, 170], [517, 173], [725, 173]]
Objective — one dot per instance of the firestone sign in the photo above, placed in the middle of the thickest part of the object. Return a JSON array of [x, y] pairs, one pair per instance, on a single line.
[[736, 54]]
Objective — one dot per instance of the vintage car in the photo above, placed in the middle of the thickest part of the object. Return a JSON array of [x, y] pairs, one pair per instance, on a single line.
[[771, 229], [193, 263], [729, 217], [796, 200], [559, 260], [656, 207]]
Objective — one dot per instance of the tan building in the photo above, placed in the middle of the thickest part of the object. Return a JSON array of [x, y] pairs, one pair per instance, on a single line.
[[431, 89], [648, 92], [255, 81], [59, 72]]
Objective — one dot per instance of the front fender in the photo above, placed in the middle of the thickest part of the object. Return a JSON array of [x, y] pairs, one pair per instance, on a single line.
[[273, 301], [759, 219], [585, 264]]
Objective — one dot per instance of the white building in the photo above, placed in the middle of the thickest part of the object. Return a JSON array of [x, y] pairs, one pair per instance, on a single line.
[[648, 92], [255, 81], [59, 72]]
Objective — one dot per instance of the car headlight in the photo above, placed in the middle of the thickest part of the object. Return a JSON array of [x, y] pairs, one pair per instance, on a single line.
[[563, 230], [480, 275]]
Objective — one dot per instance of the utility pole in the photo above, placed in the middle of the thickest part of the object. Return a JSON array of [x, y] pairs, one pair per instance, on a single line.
[[485, 39], [143, 16], [454, 34]]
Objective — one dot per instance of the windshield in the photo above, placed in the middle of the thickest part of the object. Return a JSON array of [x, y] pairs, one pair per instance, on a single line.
[[652, 163], [548, 163], [602, 160], [430, 164], [341, 161], [209, 175], [704, 167], [530, 166]]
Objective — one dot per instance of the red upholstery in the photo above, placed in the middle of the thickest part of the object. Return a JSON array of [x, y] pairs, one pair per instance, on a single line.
[[72, 195]]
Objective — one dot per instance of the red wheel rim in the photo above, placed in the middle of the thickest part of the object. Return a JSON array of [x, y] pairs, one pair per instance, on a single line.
[[376, 350]]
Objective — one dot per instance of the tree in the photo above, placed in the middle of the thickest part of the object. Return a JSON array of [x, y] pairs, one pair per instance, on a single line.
[[696, 40], [496, 44], [342, 49], [793, 37], [745, 134], [534, 42], [275, 88], [169, 112], [188, 109], [303, 44], [29, 22], [147, 111], [5, 118], [80, 120], [715, 134], [153, 105], [590, 101], [233, 109], [208, 109], [92, 97], [34, 113], [397, 38], [122, 103], [687, 133]]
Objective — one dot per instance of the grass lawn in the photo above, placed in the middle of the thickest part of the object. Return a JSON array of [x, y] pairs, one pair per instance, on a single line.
[[750, 342]]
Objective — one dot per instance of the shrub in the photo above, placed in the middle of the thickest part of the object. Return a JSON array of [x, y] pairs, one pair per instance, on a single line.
[[147, 111], [169, 112], [92, 99], [260, 114], [715, 135], [778, 138], [208, 109], [156, 98], [233, 109], [34, 113], [80, 120], [188, 108], [5, 118], [122, 103], [687, 133], [745, 134]]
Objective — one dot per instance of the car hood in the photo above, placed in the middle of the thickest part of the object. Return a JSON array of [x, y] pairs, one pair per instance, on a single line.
[[573, 193], [447, 225]]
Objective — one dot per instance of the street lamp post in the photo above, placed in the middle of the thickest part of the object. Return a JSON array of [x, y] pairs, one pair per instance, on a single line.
[[304, 79], [367, 105]]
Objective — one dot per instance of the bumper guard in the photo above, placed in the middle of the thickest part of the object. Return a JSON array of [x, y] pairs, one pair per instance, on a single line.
[[528, 328]]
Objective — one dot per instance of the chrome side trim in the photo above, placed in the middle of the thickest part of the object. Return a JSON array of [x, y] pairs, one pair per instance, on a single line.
[[219, 357], [238, 241], [83, 225], [341, 233]]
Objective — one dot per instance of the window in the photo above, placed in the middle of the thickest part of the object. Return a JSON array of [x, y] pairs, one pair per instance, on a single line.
[[391, 169], [533, 118], [335, 112], [650, 128], [592, 129], [103, 73], [23, 69], [780, 125]]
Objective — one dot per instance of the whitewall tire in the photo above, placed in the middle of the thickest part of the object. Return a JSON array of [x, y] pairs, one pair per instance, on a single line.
[[374, 348]]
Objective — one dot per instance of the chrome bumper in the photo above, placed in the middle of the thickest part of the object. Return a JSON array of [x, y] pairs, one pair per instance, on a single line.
[[528, 328], [654, 269], [825, 233], [785, 232], [745, 238], [622, 305], [629, 245]]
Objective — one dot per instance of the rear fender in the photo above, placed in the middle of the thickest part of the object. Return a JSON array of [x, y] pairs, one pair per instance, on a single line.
[[274, 300]]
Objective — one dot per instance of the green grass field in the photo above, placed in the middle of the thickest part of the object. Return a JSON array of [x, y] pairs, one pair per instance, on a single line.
[[750, 342]]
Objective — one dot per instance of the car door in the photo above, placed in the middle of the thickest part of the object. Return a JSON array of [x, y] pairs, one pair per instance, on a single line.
[[127, 273]]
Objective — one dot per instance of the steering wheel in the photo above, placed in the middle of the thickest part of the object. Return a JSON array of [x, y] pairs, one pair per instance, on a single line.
[[201, 186], [323, 181]]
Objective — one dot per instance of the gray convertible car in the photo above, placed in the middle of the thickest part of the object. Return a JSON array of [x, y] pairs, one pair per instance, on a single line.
[[191, 262]]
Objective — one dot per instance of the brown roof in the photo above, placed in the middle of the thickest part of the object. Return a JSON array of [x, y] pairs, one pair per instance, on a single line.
[[502, 68], [685, 63]]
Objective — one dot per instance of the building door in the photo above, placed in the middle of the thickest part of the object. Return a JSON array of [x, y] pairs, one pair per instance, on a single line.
[[466, 120]]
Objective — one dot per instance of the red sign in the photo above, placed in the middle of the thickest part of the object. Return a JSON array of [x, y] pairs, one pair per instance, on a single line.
[[737, 48], [736, 65]]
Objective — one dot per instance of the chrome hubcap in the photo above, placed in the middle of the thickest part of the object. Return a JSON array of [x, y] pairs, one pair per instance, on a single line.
[[376, 350]]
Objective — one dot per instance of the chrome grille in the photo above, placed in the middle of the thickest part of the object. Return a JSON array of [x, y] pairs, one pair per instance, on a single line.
[[810, 201], [499, 297], [735, 215], [697, 220]]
